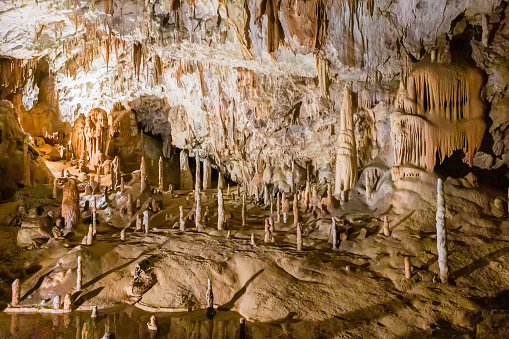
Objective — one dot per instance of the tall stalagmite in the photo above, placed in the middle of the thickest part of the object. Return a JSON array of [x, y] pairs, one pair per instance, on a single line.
[[346, 158], [441, 233], [186, 178]]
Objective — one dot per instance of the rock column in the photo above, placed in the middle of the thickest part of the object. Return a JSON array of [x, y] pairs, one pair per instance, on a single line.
[[207, 174], [161, 186], [186, 179], [15, 293], [143, 175]]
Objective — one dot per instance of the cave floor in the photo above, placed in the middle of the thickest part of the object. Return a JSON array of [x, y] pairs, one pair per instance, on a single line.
[[359, 290]]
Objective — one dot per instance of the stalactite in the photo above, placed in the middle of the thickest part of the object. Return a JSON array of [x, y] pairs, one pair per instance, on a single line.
[[137, 48], [322, 66], [275, 33], [439, 112]]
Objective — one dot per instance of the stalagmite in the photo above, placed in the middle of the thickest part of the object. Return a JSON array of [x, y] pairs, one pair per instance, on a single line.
[[143, 175], [161, 187], [346, 158], [253, 241], [94, 214], [139, 222], [56, 302], [295, 209], [197, 193], [265, 195], [407, 268], [299, 236], [334, 234], [67, 302], [94, 312], [146, 221], [79, 275], [207, 174], [387, 231], [90, 235], [285, 207], [278, 207], [129, 204], [182, 224], [26, 162], [441, 233], [210, 300], [70, 203], [228, 190], [267, 231], [15, 293], [220, 181], [55, 188], [220, 209], [243, 210], [186, 179], [122, 187], [152, 324], [122, 234]]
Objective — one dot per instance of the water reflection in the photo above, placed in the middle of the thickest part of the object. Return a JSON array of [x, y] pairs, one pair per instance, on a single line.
[[131, 322]]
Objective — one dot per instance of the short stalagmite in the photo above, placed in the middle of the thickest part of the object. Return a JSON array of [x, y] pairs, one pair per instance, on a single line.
[[129, 204], [146, 221], [15, 293], [267, 231], [139, 222], [387, 231], [67, 302], [182, 224], [299, 236], [90, 235], [407, 268]]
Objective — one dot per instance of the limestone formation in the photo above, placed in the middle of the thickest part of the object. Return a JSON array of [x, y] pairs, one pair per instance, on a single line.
[[56, 302], [346, 158], [295, 209], [186, 179], [285, 207], [299, 236], [55, 189], [334, 232], [90, 235], [441, 233], [79, 275], [67, 302], [94, 214], [152, 324], [220, 210], [161, 175], [70, 203], [243, 210], [197, 198], [146, 222], [267, 232], [15, 293], [207, 174], [182, 224], [253, 241], [122, 234], [143, 175], [129, 204], [210, 300], [407, 268], [387, 231]]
